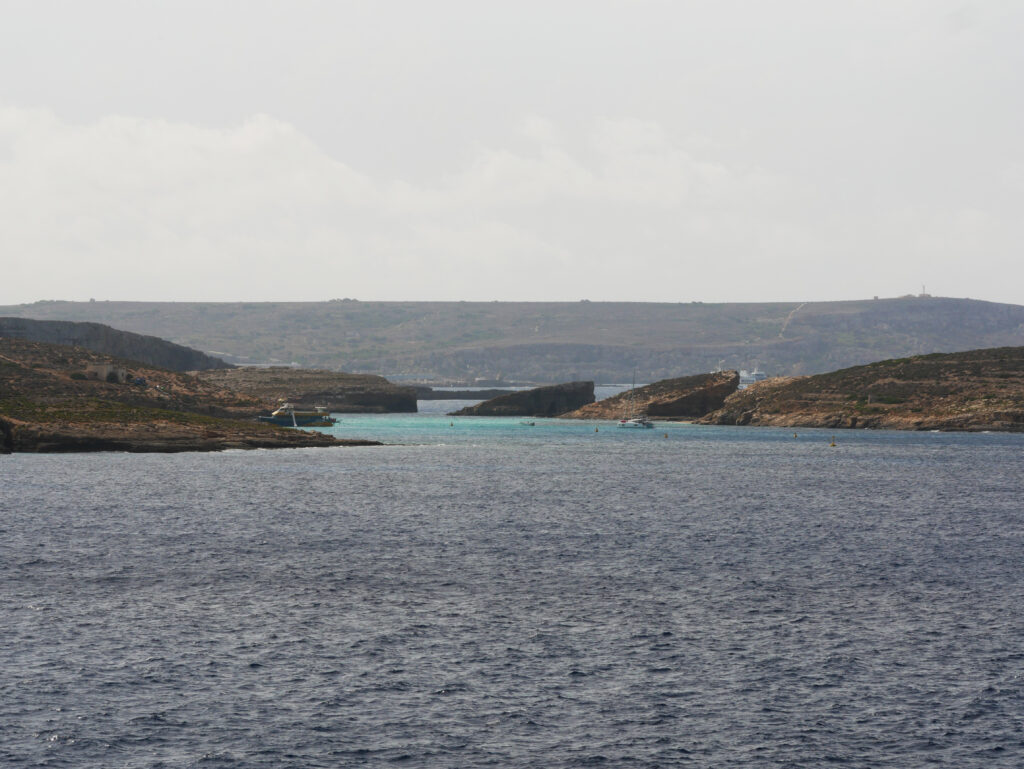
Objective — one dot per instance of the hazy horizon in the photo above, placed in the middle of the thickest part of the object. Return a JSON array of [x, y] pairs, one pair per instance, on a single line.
[[908, 295], [622, 150]]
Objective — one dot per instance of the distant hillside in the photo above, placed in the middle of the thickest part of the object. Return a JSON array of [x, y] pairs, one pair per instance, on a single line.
[[973, 390], [560, 341], [110, 341]]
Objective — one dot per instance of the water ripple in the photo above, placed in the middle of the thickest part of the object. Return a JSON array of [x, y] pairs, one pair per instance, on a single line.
[[714, 601]]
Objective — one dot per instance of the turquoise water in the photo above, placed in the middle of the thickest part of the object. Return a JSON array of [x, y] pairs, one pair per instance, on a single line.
[[432, 426]]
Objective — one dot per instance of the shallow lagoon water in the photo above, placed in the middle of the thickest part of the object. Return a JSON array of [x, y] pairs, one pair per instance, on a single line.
[[486, 593]]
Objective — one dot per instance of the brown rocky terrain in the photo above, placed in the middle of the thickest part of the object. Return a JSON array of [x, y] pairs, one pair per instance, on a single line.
[[48, 402], [686, 397], [974, 390], [336, 391], [548, 401], [110, 341]]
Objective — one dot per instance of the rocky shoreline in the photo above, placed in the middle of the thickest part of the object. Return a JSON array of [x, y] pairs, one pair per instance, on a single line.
[[687, 397], [56, 398], [973, 391], [157, 437]]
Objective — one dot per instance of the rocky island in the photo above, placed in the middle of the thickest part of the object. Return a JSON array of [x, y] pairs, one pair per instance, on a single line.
[[548, 401], [974, 390], [63, 398], [686, 397]]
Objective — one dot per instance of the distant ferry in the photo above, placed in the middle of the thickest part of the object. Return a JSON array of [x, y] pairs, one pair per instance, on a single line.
[[287, 415], [748, 378]]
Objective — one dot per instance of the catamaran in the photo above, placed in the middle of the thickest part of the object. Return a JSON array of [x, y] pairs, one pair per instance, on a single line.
[[634, 418]]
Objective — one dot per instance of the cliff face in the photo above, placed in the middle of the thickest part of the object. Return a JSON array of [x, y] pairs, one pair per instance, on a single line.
[[681, 398], [548, 401], [336, 391], [110, 341], [47, 403], [974, 390]]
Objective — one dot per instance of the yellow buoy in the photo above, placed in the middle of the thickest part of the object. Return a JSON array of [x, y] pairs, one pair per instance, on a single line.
[[833, 443]]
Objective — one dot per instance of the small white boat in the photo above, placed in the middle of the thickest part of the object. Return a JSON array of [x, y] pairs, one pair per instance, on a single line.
[[640, 422], [633, 418]]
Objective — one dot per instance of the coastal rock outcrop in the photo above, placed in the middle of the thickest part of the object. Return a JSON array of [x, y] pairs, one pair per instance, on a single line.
[[972, 391], [547, 401], [686, 397], [152, 434], [49, 403], [334, 390]]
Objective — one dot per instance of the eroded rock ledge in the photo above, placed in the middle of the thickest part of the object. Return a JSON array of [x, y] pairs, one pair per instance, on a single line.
[[969, 391], [686, 397], [548, 401]]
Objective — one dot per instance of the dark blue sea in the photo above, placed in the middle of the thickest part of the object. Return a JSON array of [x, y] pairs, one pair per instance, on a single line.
[[489, 593]]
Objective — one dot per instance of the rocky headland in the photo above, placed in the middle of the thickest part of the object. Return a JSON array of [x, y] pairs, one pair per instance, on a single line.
[[61, 398], [336, 391], [547, 401], [686, 397], [973, 391]]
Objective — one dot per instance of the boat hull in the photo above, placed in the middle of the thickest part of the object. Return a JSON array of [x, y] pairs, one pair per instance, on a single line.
[[300, 420], [635, 424]]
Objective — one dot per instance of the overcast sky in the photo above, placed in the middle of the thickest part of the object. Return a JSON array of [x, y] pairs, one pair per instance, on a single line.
[[603, 149]]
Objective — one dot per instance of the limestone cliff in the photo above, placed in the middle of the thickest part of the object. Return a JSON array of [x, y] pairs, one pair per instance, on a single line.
[[681, 398], [974, 390], [548, 401]]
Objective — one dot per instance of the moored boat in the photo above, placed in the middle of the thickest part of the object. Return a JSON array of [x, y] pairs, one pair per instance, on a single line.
[[634, 417], [640, 421], [288, 415]]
